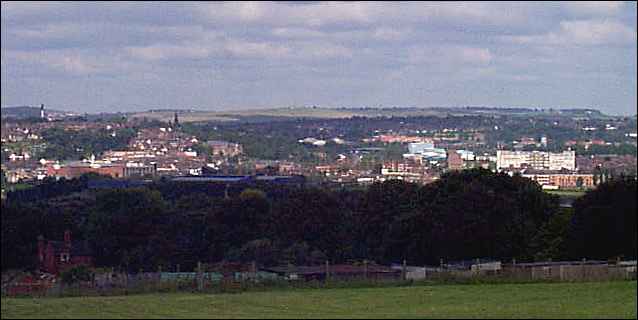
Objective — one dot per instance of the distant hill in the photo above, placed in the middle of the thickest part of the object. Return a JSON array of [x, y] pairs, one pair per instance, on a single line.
[[25, 112], [335, 113], [271, 114]]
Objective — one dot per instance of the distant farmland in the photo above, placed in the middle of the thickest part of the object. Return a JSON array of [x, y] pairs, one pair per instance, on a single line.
[[339, 113], [311, 113], [560, 300]]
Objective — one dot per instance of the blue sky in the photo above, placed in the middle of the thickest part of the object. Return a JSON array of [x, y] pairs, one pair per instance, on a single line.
[[125, 56]]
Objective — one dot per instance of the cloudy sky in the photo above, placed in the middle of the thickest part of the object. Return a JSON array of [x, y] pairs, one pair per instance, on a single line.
[[93, 57]]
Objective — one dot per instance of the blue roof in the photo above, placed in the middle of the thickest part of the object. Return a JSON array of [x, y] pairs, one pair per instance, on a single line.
[[213, 179]]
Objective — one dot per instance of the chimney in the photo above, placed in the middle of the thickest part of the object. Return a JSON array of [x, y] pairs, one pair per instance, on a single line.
[[67, 238]]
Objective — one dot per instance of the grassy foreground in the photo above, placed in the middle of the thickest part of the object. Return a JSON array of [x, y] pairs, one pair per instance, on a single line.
[[558, 300]]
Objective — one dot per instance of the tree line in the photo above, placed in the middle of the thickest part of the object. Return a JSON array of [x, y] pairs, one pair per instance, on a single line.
[[465, 215]]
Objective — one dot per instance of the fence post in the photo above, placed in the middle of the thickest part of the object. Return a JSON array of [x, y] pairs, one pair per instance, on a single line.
[[365, 269], [200, 278], [126, 281], [562, 272], [404, 270], [159, 277], [253, 266], [582, 264], [425, 272], [327, 271]]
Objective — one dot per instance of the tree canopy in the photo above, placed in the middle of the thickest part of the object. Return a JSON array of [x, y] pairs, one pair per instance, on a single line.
[[464, 215]]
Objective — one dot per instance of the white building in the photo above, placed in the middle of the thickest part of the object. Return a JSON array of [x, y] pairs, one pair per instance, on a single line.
[[564, 160], [427, 150], [420, 147], [536, 159]]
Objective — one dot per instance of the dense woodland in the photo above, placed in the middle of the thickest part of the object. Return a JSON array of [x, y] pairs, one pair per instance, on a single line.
[[465, 215], [75, 145]]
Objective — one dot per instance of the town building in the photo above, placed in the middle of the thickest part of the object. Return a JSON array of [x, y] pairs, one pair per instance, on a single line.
[[454, 160], [556, 180], [403, 170], [426, 150], [224, 148], [57, 256], [420, 147], [105, 168], [393, 138], [536, 160]]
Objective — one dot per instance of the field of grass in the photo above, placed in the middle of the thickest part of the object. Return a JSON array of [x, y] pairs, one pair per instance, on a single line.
[[557, 300], [316, 113]]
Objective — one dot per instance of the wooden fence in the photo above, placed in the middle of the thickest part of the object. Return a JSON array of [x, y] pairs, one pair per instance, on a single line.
[[114, 283]]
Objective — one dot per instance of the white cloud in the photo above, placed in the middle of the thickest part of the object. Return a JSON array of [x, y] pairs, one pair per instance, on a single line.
[[322, 50], [297, 33], [51, 31], [24, 7], [476, 55], [390, 34], [450, 55], [287, 14], [256, 49], [582, 32], [68, 63], [161, 52], [595, 32], [599, 8]]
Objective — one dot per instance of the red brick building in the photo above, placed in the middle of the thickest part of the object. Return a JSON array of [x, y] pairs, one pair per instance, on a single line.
[[562, 180], [113, 170], [57, 256], [454, 160], [75, 170]]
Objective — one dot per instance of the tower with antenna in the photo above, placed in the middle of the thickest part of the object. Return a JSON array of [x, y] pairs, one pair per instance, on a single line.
[[42, 111], [176, 121]]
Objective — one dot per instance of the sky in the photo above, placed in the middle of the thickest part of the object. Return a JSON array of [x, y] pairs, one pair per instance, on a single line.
[[134, 56]]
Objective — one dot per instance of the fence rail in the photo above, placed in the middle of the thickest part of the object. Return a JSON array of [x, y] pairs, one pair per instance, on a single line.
[[118, 283]]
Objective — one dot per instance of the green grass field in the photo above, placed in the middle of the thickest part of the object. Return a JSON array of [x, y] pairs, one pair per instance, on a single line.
[[558, 300]]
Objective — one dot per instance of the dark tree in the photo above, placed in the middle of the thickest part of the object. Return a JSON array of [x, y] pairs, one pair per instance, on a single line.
[[604, 222], [125, 228]]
